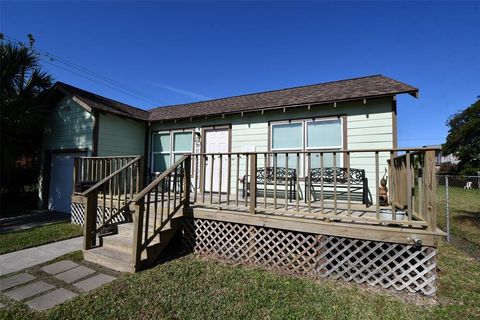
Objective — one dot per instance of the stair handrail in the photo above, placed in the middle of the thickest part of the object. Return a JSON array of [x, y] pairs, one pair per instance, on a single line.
[[142, 237], [91, 194]]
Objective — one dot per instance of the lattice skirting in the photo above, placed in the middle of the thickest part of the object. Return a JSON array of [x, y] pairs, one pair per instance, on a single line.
[[78, 214], [389, 265]]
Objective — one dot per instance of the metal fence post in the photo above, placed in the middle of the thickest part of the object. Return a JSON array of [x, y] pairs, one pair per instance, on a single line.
[[447, 208]]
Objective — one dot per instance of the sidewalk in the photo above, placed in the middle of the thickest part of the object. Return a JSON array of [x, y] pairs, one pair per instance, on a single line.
[[19, 260]]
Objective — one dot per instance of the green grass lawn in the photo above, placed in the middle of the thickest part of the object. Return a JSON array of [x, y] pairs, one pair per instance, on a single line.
[[18, 240], [190, 288], [464, 211]]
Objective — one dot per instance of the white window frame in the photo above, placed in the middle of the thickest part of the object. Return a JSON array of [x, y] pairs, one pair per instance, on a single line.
[[169, 152], [272, 124], [328, 147], [304, 147]]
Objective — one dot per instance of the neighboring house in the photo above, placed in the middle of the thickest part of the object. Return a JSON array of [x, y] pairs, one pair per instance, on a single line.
[[359, 113]]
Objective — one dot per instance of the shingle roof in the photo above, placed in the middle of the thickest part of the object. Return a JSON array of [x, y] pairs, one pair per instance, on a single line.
[[104, 104], [328, 92], [343, 90]]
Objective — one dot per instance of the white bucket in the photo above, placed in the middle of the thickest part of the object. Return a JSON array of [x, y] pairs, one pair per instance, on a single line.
[[386, 214]]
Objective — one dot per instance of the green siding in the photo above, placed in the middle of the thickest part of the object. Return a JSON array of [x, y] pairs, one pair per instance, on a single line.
[[368, 126], [69, 126], [118, 136]]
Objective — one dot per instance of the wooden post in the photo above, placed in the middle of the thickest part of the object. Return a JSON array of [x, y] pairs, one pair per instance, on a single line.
[[137, 234], [429, 190], [90, 220], [253, 182], [187, 181]]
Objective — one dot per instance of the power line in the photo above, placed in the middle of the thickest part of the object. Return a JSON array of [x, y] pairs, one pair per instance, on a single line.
[[104, 80]]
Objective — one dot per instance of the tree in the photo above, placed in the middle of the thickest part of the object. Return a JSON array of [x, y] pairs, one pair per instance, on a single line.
[[23, 88], [463, 138]]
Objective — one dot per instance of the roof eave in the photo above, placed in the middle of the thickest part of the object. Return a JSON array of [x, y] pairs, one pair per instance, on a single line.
[[414, 93]]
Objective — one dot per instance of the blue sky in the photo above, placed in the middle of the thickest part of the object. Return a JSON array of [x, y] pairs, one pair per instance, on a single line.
[[176, 52]]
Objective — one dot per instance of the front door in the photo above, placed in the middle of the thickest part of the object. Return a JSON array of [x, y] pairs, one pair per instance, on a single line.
[[216, 141]]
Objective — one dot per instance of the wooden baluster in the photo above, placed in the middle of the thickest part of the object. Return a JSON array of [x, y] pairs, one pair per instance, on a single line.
[[188, 181], [195, 176], [275, 181], [220, 173], [322, 170], [137, 233], [117, 179], [392, 185], [229, 177], [349, 199], [167, 188], [147, 216], [429, 190], [253, 183], [211, 177], [286, 182], [89, 220], [162, 200], [377, 184], [155, 208], [409, 186], [308, 182], [104, 188], [237, 181], [175, 175], [335, 183], [246, 180], [265, 175], [131, 168], [203, 176], [297, 181]]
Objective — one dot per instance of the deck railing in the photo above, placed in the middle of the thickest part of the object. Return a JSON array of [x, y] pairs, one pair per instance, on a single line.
[[111, 197], [158, 203], [334, 185], [90, 170]]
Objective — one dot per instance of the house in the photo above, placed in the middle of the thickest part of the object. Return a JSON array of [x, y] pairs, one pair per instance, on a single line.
[[300, 165]]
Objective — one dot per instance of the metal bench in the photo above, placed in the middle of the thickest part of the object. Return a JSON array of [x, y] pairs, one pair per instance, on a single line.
[[266, 176], [326, 179]]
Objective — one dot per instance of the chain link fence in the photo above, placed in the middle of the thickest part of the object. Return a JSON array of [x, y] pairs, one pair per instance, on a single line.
[[458, 211]]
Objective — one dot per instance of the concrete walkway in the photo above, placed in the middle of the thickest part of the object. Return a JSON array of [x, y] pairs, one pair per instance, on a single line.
[[22, 259]]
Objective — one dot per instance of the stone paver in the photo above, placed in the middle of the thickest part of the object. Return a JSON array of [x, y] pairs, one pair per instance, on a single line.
[[51, 299], [94, 282], [60, 266], [22, 259], [29, 290], [74, 274], [15, 280]]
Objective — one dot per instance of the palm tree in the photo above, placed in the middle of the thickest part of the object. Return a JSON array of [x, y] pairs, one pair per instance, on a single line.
[[23, 88]]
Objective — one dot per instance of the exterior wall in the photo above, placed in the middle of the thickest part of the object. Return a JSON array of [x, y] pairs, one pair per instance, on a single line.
[[118, 136], [69, 126], [368, 126]]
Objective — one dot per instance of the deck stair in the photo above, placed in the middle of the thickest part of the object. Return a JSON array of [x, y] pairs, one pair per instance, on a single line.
[[116, 250], [156, 211]]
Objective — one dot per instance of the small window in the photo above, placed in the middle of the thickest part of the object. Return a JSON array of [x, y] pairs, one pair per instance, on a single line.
[[182, 143], [287, 136], [324, 134], [167, 147]]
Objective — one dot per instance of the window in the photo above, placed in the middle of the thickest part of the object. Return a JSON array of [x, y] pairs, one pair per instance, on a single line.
[[167, 147], [307, 135]]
